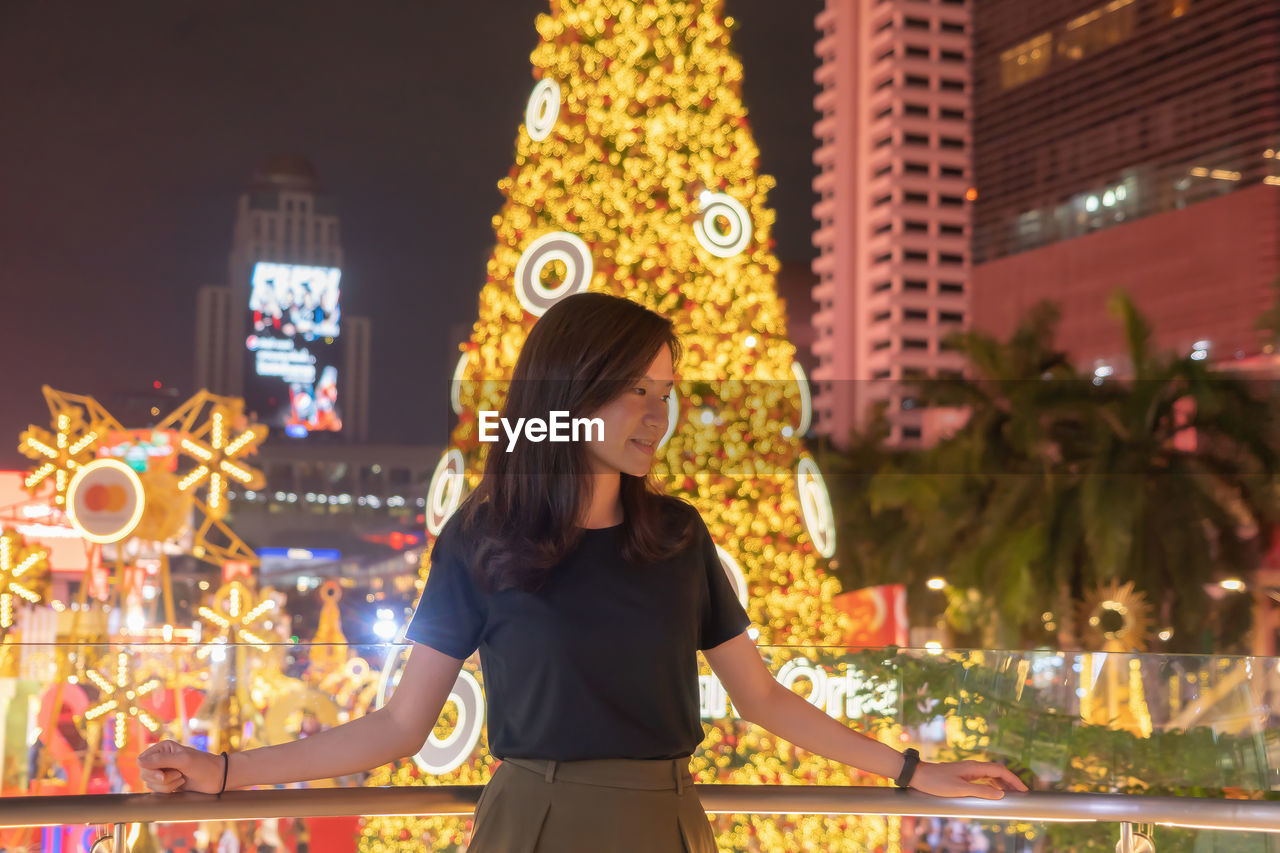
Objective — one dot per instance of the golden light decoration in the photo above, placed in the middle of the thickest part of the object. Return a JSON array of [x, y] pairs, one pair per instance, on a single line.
[[1115, 617], [60, 453], [117, 679], [234, 614], [651, 163], [217, 453], [24, 574]]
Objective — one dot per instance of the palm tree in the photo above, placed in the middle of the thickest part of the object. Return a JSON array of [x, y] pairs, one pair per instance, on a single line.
[[1058, 483]]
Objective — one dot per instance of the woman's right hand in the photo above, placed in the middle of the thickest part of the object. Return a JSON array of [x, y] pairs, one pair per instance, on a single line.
[[168, 766]]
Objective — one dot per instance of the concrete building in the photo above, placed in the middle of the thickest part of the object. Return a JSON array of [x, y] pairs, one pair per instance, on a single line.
[[892, 235], [1128, 144]]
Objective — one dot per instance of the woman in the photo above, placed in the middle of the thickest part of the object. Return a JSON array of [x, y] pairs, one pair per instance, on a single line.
[[587, 592]]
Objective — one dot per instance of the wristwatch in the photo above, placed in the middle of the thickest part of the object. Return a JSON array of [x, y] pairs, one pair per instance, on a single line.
[[911, 758]]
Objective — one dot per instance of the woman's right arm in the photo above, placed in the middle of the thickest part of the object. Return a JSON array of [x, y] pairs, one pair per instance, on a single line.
[[396, 730]]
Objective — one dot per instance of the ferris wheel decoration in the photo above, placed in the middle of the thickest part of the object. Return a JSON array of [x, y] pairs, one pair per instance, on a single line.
[[120, 691], [24, 574], [234, 616], [218, 451]]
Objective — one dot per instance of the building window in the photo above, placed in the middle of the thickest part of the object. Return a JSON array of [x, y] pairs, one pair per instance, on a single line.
[[882, 373], [951, 114], [915, 139], [951, 56], [918, 110], [915, 256], [915, 81], [884, 142], [950, 287], [915, 284], [952, 260], [882, 200], [915, 23], [1098, 29], [881, 345], [915, 314], [916, 227], [951, 230], [882, 171], [950, 317], [950, 142], [881, 316], [952, 172], [915, 343], [916, 198], [884, 228], [881, 286], [950, 200], [916, 168], [888, 54], [882, 258], [951, 85], [885, 113], [911, 433], [1026, 61], [885, 83], [917, 52]]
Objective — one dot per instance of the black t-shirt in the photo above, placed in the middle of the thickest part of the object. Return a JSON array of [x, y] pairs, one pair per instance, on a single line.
[[599, 663]]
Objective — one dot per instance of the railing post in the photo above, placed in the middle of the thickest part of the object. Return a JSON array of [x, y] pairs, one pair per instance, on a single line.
[[1135, 842]]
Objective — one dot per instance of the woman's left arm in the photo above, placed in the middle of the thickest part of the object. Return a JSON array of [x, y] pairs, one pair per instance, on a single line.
[[760, 699]]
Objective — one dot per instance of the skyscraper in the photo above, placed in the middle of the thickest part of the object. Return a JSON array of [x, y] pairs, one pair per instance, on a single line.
[[1128, 144], [284, 272], [892, 213]]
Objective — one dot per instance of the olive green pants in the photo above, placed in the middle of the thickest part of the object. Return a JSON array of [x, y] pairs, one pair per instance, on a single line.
[[620, 805]]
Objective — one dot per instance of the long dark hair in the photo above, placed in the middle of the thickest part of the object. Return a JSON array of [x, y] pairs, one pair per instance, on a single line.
[[522, 519]]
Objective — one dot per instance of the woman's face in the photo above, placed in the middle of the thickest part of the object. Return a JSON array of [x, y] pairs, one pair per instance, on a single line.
[[634, 423]]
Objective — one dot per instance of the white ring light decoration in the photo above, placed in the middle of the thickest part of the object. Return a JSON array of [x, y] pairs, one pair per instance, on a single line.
[[119, 481], [445, 492], [544, 107], [673, 412], [722, 244], [557, 246], [455, 389], [441, 756], [815, 503], [806, 402], [736, 578]]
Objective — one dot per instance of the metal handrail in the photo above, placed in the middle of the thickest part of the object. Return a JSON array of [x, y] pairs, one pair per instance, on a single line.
[[1188, 812]]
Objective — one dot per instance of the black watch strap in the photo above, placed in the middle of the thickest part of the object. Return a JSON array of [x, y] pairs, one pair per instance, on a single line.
[[911, 758]]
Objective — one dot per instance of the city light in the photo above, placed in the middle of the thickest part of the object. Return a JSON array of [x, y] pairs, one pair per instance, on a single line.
[[1232, 585], [386, 626], [936, 584]]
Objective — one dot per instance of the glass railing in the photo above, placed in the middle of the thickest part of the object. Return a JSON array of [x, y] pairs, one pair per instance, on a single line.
[[1116, 726]]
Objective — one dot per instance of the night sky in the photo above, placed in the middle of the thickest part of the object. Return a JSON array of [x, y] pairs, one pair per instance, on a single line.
[[127, 130]]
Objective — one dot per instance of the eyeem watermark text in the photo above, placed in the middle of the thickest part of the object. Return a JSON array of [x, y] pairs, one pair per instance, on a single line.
[[559, 427]]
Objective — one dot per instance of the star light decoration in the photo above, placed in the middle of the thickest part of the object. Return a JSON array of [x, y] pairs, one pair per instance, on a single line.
[[120, 696], [234, 614], [217, 454], [24, 573]]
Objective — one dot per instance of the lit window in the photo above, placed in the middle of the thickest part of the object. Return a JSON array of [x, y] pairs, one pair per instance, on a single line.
[[1026, 61]]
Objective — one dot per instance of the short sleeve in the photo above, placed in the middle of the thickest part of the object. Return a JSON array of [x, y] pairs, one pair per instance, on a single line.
[[722, 616], [449, 616]]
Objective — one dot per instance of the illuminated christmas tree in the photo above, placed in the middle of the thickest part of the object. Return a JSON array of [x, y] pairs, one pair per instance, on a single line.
[[636, 174]]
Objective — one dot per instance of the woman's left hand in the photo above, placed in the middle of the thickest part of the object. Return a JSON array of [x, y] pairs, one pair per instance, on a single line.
[[984, 779]]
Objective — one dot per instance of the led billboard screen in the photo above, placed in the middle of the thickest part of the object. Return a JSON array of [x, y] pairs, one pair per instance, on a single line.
[[294, 347]]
